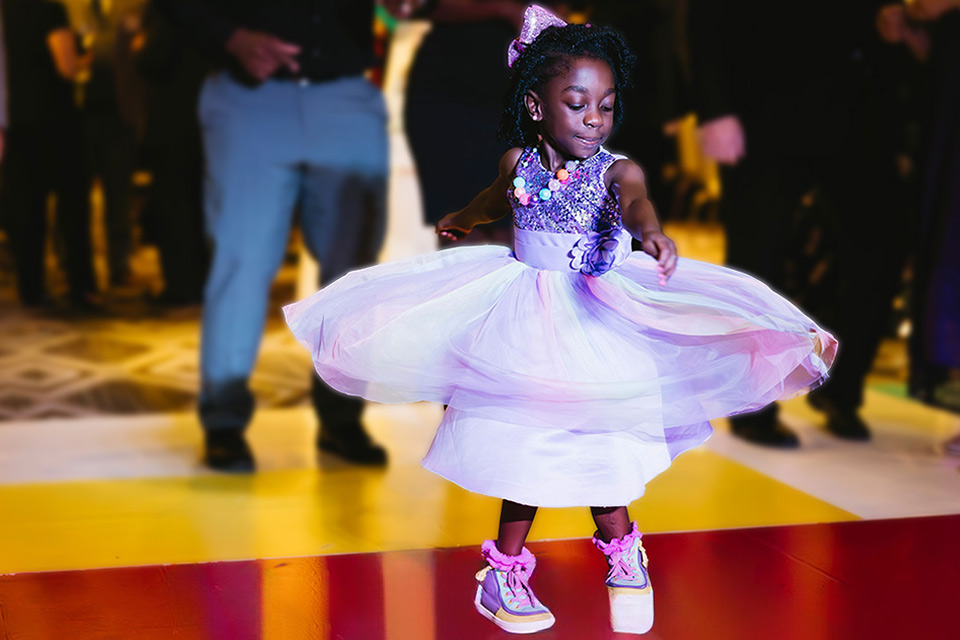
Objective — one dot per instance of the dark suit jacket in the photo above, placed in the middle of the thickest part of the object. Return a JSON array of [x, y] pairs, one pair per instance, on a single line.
[[806, 79]]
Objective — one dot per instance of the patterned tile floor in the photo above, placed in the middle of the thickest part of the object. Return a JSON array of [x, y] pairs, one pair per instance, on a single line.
[[134, 358]]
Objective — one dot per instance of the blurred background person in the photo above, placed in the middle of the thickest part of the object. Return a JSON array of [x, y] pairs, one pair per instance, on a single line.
[[173, 71], [3, 95], [930, 30], [112, 116], [808, 112], [655, 31], [289, 120], [44, 151], [465, 34]]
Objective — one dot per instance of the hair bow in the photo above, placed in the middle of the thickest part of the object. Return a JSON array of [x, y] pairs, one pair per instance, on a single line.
[[535, 20]]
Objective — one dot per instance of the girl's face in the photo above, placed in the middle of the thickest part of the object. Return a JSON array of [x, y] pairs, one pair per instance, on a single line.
[[575, 109]]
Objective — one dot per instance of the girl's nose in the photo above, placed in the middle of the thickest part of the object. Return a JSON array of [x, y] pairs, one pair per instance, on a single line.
[[592, 118]]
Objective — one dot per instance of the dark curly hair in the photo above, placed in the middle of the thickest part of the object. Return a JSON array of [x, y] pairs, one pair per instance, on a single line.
[[548, 56]]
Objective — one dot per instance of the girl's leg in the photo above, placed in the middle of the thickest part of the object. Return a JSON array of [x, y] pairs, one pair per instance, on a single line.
[[612, 522], [504, 595], [628, 583], [515, 521]]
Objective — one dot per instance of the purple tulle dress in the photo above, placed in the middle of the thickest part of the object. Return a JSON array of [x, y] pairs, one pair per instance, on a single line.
[[572, 377]]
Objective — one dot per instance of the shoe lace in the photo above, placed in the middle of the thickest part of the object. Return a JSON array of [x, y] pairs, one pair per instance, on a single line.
[[620, 567], [518, 584]]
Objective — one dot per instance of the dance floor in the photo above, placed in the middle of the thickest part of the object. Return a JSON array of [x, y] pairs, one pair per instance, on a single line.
[[869, 579], [112, 529]]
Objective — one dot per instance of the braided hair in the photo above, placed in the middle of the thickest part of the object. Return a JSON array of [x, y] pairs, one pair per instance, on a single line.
[[549, 56]]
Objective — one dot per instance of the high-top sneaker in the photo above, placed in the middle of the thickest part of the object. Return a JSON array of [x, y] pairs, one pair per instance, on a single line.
[[628, 583], [504, 595]]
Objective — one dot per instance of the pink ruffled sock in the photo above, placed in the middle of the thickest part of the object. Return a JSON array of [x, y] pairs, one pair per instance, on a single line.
[[502, 562], [628, 584], [617, 545]]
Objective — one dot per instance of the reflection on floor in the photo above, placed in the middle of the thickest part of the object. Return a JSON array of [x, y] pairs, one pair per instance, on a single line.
[[876, 579]]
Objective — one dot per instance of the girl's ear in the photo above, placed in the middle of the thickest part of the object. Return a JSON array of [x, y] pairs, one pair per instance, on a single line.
[[534, 106]]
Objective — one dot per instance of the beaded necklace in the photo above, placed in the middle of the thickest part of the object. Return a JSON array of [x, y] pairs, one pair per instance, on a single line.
[[527, 194]]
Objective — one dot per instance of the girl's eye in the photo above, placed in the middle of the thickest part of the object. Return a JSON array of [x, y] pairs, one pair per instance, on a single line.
[[575, 107], [607, 109]]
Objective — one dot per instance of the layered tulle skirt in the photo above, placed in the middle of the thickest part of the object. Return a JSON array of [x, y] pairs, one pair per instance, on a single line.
[[562, 388]]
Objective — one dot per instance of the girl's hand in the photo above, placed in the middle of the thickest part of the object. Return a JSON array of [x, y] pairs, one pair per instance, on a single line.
[[662, 248], [451, 228]]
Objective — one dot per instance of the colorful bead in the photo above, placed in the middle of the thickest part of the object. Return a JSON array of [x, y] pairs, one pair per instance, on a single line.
[[582, 204], [565, 173]]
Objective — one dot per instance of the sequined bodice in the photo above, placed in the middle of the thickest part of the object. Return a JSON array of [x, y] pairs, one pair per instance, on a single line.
[[582, 204]]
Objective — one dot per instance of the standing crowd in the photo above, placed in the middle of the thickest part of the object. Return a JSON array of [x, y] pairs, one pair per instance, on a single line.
[[835, 127], [95, 91]]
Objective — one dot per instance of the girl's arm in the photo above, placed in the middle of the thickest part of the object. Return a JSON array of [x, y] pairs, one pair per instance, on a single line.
[[488, 205], [625, 180]]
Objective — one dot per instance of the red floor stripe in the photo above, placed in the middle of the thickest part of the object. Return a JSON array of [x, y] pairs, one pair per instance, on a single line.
[[867, 579]]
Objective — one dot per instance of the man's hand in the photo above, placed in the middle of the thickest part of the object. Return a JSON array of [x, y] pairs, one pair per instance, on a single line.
[[262, 54], [402, 9], [930, 9], [894, 28], [723, 140], [892, 23]]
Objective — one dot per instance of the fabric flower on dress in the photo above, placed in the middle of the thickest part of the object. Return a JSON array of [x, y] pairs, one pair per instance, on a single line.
[[596, 252]]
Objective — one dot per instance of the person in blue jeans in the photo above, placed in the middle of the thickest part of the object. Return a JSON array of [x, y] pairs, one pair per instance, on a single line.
[[289, 123]]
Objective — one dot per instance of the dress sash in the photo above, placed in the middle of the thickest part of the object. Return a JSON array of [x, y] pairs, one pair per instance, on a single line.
[[591, 253]]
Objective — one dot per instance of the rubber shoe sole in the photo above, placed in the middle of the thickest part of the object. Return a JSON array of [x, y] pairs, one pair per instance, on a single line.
[[631, 612]]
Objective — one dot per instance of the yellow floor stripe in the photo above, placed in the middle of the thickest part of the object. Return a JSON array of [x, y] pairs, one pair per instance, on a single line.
[[107, 523]]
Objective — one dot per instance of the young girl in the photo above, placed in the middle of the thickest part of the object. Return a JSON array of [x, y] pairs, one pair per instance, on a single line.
[[573, 372]]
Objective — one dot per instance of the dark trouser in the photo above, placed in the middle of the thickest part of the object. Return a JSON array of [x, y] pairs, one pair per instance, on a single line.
[[110, 155], [868, 201], [176, 208], [875, 217], [43, 158]]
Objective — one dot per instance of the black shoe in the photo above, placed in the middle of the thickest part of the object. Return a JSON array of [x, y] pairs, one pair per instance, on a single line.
[[353, 445], [228, 451], [841, 421], [767, 432]]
